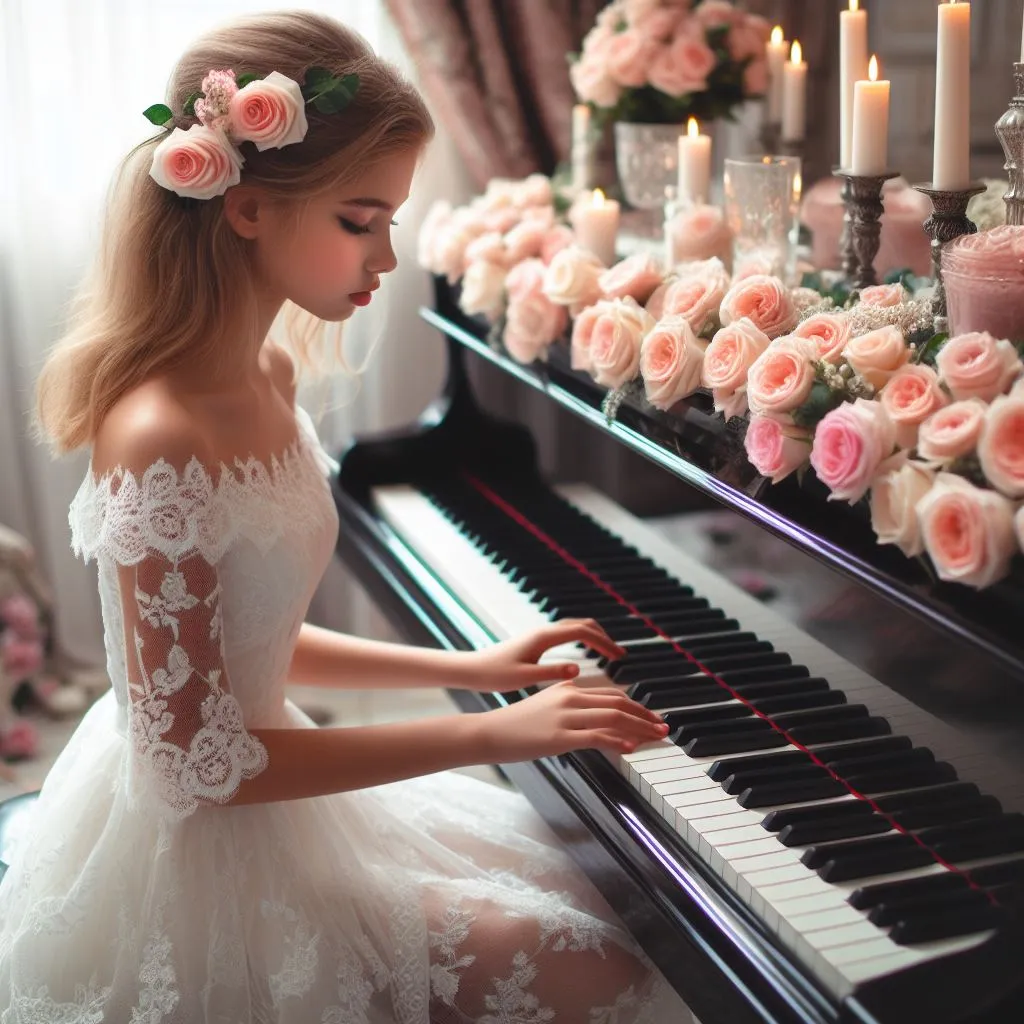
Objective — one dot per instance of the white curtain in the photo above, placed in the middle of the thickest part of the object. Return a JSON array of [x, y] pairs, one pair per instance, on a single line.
[[76, 75]]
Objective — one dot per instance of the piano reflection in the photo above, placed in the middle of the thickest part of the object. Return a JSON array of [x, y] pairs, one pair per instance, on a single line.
[[832, 831]]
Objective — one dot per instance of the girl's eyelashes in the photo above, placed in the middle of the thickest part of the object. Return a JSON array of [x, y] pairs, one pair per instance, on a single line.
[[359, 229]]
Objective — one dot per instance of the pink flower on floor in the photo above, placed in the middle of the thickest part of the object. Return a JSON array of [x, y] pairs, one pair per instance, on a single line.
[[978, 366], [20, 614], [670, 362], [21, 659], [850, 444], [910, 397], [775, 449]]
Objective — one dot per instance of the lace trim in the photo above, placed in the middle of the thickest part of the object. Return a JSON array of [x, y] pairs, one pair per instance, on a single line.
[[173, 515]]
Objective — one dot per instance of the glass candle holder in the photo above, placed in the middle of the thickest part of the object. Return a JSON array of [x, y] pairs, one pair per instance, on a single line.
[[984, 280], [762, 207]]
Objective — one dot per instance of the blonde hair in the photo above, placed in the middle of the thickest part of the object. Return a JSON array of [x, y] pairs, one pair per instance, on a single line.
[[171, 274]]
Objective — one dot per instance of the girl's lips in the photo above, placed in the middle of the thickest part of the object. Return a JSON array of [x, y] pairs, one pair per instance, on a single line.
[[361, 298]]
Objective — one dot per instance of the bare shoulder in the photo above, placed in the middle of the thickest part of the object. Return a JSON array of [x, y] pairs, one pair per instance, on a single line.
[[281, 369], [144, 426]]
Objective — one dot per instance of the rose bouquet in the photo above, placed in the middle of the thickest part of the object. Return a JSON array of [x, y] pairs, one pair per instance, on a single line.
[[662, 61]]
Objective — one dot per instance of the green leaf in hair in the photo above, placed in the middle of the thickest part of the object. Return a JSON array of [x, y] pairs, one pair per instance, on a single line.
[[159, 114]]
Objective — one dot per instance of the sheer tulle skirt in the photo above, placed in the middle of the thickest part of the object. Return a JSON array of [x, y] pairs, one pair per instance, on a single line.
[[441, 900]]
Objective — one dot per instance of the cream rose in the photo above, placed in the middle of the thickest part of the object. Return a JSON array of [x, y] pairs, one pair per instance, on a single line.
[[830, 333], [531, 324], [615, 341], [978, 366], [449, 251], [763, 300], [850, 443], [781, 377], [877, 355], [199, 163], [728, 359], [483, 290], [489, 246], [1001, 446], [895, 493], [269, 112], [636, 276], [670, 362], [951, 432], [699, 233], [967, 531], [525, 279], [572, 279], [884, 295], [775, 449], [910, 397], [534, 190]]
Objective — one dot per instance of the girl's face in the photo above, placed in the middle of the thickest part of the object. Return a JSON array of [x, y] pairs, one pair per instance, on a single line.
[[331, 260]]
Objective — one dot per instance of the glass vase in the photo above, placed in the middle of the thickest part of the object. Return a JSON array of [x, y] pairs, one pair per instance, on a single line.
[[647, 159]]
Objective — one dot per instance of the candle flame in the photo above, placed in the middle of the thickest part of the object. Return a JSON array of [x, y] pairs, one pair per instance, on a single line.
[[873, 69], [777, 36], [798, 186], [854, 5], [692, 128], [598, 197], [796, 54]]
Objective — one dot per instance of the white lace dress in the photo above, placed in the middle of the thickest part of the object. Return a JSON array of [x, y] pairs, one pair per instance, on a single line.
[[136, 898]]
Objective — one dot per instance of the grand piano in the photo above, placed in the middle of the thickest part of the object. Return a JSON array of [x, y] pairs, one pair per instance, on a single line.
[[833, 829]]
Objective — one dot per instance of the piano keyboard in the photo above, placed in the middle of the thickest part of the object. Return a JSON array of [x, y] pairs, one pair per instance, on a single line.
[[857, 878]]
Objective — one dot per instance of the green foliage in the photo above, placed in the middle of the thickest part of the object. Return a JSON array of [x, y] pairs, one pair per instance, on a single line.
[[158, 114], [328, 93], [820, 402], [928, 349]]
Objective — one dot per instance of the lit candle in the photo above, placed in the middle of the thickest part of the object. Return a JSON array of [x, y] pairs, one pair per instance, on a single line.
[[694, 164], [952, 167], [597, 225], [794, 96], [778, 50], [853, 67], [580, 151], [871, 125]]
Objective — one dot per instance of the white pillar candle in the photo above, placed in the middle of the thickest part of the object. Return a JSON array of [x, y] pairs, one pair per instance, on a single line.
[[853, 67], [580, 151], [597, 226], [778, 50], [952, 167], [694, 165], [794, 96], [870, 125]]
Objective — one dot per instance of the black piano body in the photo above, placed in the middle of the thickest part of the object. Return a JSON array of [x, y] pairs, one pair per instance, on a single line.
[[950, 648]]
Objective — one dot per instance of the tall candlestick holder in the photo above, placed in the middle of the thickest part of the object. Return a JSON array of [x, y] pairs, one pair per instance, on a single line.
[[771, 136], [1010, 132], [847, 254], [947, 222], [864, 208]]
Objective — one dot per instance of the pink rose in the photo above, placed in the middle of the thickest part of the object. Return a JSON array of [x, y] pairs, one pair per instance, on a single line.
[[884, 295], [560, 237], [713, 14], [628, 55], [727, 361], [763, 300], [757, 262], [538, 216], [449, 251], [636, 276], [573, 278], [592, 82], [582, 336], [269, 112], [951, 432], [967, 531], [524, 241], [850, 443], [21, 615], [500, 219], [483, 290], [531, 324], [978, 366], [781, 377], [525, 279], [895, 493], [697, 298], [699, 233], [877, 355], [830, 333], [775, 450], [535, 191], [749, 38], [615, 341], [199, 163], [633, 10], [683, 66], [755, 78], [1001, 447], [670, 362], [489, 246], [658, 25], [910, 397]]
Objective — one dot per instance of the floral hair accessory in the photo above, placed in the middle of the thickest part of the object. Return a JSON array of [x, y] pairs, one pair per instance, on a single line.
[[205, 159]]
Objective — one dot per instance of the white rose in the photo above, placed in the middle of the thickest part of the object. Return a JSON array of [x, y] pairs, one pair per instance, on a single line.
[[483, 290], [894, 497], [572, 278]]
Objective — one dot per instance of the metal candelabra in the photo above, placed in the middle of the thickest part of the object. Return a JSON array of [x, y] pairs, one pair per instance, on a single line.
[[862, 196]]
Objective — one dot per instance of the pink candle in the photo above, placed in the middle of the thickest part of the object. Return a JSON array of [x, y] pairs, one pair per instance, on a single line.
[[984, 279]]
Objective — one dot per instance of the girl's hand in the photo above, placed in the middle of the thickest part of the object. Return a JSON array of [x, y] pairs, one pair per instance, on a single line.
[[566, 717], [512, 664]]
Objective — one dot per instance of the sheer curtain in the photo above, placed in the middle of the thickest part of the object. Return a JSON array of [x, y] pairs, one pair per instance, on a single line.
[[75, 78]]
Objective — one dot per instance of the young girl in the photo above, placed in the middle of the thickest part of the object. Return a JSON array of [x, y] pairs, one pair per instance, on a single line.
[[201, 852]]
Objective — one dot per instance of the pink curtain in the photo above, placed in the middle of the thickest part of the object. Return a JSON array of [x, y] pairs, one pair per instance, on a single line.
[[496, 72]]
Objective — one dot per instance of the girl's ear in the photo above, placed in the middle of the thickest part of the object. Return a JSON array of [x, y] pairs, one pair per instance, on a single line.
[[245, 210]]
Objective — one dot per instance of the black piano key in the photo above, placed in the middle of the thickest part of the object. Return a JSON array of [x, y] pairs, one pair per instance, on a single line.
[[894, 910], [798, 701], [901, 759], [944, 814], [847, 869], [883, 782], [716, 713], [696, 730], [696, 694], [976, 847], [839, 713], [779, 687], [946, 925], [776, 821], [1005, 824], [733, 743], [739, 781], [815, 856], [833, 732], [624, 630], [624, 672], [797, 791], [1008, 872], [869, 896], [827, 830], [896, 802], [773, 674], [664, 650]]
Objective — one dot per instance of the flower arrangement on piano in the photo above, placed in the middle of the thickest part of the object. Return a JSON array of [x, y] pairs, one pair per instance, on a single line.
[[928, 430], [662, 61]]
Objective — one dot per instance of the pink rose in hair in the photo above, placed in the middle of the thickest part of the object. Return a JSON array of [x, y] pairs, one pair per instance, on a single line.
[[763, 300], [699, 233], [532, 323], [910, 397], [951, 432], [884, 295], [877, 355], [978, 366], [895, 492], [269, 112], [775, 449], [850, 443], [728, 359], [1001, 446], [199, 163], [967, 531], [781, 378], [830, 333], [636, 277], [670, 362], [615, 341], [573, 279]]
